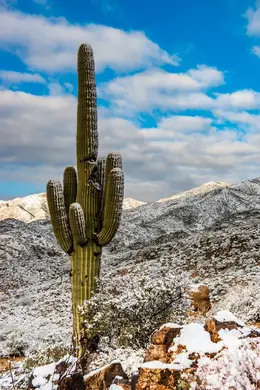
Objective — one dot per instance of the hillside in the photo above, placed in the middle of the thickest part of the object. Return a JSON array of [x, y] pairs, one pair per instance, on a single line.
[[210, 238]]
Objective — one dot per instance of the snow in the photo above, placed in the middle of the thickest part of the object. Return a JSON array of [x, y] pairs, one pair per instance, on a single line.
[[45, 376], [170, 325], [181, 361], [226, 316], [204, 188], [34, 207], [233, 368], [196, 339], [94, 372]]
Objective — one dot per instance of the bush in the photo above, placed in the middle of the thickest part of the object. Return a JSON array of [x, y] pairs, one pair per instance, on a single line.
[[128, 318]]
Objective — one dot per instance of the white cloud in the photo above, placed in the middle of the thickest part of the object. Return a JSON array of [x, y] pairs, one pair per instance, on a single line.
[[207, 76], [244, 99], [38, 141], [241, 117], [253, 18], [158, 88], [51, 44], [19, 77], [185, 123]]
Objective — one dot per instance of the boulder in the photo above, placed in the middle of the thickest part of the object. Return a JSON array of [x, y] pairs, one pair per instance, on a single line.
[[223, 351], [100, 379], [199, 298], [161, 341]]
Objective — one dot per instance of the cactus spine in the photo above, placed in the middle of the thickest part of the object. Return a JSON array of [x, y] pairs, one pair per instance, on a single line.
[[85, 212]]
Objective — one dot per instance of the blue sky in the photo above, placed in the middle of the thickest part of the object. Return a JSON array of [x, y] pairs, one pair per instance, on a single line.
[[178, 86]]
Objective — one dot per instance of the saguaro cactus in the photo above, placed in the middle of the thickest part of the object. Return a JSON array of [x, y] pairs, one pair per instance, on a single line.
[[85, 213]]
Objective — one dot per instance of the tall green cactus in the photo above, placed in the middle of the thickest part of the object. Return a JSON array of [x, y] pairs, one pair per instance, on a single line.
[[85, 213]]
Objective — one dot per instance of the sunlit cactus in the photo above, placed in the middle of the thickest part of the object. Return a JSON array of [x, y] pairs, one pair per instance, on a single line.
[[85, 212]]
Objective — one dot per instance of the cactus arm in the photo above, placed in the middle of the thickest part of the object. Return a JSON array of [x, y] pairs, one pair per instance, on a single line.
[[69, 186], [112, 207], [59, 217], [114, 160], [77, 224]]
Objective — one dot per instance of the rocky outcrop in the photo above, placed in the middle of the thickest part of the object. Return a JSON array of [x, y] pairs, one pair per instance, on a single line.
[[222, 354], [199, 297]]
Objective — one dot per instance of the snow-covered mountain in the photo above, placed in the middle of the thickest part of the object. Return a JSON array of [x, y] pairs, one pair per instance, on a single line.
[[204, 188], [206, 237], [29, 208], [34, 207]]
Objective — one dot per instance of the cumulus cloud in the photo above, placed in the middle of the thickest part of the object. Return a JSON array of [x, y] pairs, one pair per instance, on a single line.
[[54, 50], [244, 99], [179, 152], [19, 77], [159, 88], [242, 117], [207, 76], [38, 141]]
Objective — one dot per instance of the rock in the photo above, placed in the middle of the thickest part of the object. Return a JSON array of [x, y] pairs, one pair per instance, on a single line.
[[223, 350], [73, 382], [99, 379], [102, 378], [200, 300], [152, 377], [213, 326], [161, 341]]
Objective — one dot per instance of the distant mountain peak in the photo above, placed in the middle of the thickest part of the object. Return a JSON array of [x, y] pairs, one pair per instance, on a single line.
[[203, 188], [34, 207]]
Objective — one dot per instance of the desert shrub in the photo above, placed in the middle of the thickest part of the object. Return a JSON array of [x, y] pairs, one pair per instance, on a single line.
[[15, 343], [45, 356], [129, 317]]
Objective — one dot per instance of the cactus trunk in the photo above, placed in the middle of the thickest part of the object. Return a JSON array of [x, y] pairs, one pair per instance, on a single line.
[[85, 212], [85, 269]]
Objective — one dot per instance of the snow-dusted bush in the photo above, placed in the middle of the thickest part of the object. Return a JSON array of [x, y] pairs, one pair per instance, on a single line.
[[128, 318], [14, 340], [46, 356], [235, 368]]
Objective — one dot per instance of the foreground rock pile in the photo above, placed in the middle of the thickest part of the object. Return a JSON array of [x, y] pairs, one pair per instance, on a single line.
[[222, 353]]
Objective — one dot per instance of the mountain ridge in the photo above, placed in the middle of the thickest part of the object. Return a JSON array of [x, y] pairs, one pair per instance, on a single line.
[[211, 238], [34, 206]]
